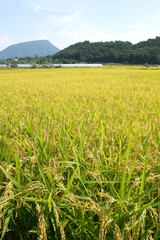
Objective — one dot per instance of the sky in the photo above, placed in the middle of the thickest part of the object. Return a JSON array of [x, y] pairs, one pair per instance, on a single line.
[[65, 22]]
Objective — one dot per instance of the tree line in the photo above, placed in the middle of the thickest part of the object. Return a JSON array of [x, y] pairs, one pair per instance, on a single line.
[[112, 52]]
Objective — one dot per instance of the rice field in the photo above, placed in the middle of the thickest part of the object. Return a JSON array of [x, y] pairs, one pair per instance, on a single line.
[[80, 153]]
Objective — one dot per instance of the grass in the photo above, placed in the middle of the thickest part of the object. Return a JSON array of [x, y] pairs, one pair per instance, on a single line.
[[79, 152]]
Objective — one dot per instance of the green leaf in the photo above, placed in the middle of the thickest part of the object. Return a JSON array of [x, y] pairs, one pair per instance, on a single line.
[[127, 216], [18, 168], [7, 219], [32, 199], [143, 179], [46, 183], [157, 185], [123, 180], [49, 200], [70, 182], [17, 184], [131, 171], [50, 177]]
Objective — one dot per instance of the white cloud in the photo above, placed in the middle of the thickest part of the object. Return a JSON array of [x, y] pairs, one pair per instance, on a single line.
[[140, 35], [5, 41], [69, 36], [35, 4], [64, 20], [45, 5], [134, 36], [43, 37]]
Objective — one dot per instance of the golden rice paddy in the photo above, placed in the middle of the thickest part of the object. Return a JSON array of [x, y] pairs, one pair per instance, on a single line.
[[80, 153]]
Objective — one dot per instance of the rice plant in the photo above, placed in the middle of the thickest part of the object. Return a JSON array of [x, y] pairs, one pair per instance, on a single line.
[[79, 153]]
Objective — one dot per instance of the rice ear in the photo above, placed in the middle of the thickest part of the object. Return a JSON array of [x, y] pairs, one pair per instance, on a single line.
[[41, 223]]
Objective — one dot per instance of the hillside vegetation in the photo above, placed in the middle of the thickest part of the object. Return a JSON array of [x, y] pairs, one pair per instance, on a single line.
[[79, 154], [115, 52]]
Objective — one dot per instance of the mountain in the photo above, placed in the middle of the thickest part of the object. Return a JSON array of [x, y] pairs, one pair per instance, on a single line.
[[111, 52], [29, 49]]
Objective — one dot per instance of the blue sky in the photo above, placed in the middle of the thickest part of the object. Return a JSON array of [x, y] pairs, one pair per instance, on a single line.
[[65, 22]]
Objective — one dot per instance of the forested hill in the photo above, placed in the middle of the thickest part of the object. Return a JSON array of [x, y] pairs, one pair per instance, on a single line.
[[115, 52]]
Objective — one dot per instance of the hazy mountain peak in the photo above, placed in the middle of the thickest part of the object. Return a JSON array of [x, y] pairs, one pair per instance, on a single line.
[[29, 49]]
